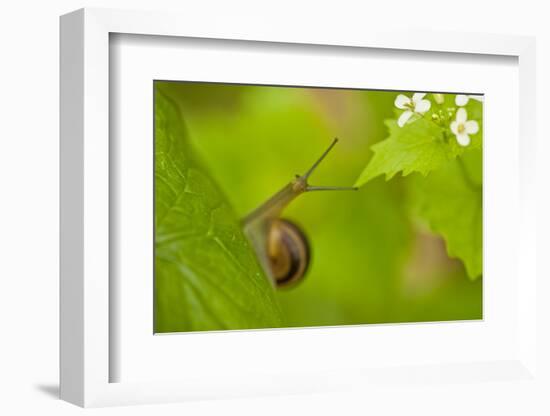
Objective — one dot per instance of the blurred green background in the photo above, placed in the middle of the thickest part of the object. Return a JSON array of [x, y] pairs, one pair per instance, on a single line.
[[373, 261]]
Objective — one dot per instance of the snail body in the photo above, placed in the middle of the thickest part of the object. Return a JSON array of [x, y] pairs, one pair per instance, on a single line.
[[281, 245]]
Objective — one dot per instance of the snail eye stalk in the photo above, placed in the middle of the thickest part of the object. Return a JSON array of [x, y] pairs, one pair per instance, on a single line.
[[306, 176], [325, 153]]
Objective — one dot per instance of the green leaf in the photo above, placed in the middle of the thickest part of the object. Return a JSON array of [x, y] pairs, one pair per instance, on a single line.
[[416, 147], [450, 200], [206, 274]]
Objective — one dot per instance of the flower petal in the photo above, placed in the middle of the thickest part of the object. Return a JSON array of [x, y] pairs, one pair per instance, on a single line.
[[422, 106], [401, 101], [454, 127], [463, 139], [417, 96], [461, 115], [461, 100], [471, 127], [404, 118]]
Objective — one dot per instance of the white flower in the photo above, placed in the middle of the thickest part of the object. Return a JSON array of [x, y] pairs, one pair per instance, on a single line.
[[461, 100], [462, 127], [416, 104]]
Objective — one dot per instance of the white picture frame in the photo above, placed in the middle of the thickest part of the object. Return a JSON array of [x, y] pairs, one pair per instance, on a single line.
[[86, 353]]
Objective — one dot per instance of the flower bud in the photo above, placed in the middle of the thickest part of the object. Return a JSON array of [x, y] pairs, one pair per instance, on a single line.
[[438, 98]]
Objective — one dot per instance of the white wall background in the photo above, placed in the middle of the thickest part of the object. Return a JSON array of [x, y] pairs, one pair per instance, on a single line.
[[29, 187]]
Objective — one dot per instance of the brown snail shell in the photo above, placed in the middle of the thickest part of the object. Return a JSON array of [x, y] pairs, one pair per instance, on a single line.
[[288, 252]]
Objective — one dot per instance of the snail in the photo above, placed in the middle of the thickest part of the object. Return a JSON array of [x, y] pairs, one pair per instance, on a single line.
[[281, 246]]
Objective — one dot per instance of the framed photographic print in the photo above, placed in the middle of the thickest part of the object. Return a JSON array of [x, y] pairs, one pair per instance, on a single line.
[[230, 248], [261, 212]]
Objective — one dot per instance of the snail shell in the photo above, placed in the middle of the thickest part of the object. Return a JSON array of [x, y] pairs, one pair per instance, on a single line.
[[288, 252]]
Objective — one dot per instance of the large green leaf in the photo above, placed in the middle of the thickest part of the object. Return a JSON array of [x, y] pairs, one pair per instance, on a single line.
[[450, 200], [206, 274]]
